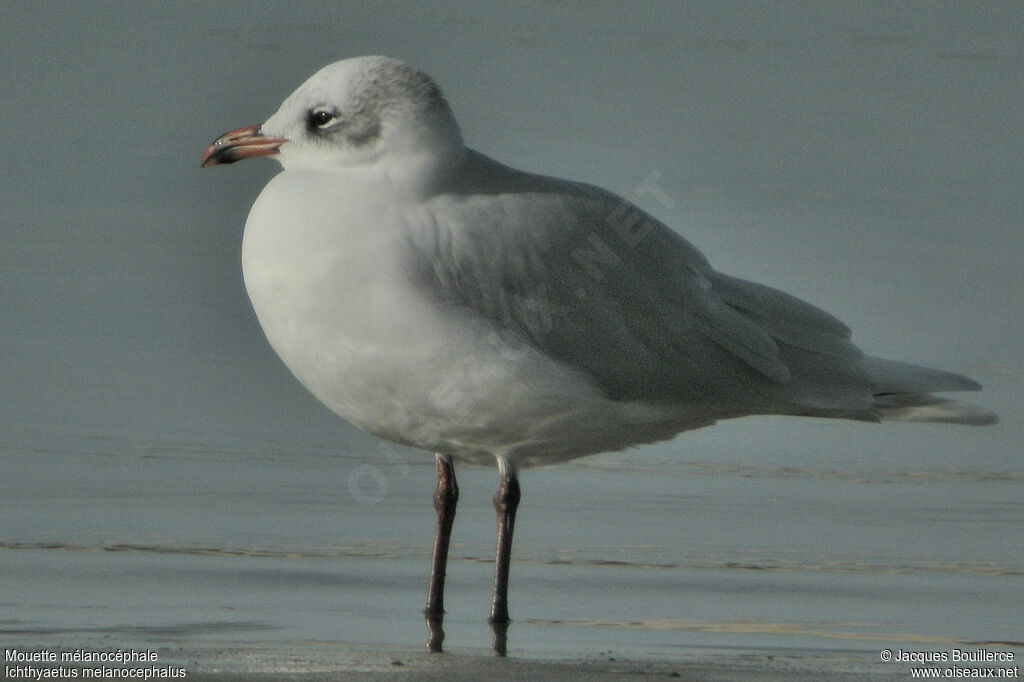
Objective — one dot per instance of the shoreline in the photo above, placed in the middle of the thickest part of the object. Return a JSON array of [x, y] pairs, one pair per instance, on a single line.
[[330, 661]]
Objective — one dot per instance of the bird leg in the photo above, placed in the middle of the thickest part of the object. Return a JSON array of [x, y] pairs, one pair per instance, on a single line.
[[446, 497], [506, 501]]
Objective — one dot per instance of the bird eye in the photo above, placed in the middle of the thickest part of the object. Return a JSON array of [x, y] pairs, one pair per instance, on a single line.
[[321, 117]]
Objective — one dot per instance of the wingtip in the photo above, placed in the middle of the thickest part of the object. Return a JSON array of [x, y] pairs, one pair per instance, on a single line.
[[932, 409]]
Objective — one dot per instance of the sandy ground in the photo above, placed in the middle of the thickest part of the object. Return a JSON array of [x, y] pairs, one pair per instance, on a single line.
[[327, 662]]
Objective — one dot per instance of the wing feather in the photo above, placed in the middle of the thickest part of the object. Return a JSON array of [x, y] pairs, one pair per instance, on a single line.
[[595, 283]]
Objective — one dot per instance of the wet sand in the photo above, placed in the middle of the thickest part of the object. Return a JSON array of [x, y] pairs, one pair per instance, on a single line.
[[325, 662]]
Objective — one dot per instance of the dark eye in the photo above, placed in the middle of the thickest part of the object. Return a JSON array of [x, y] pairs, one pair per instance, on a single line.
[[321, 117]]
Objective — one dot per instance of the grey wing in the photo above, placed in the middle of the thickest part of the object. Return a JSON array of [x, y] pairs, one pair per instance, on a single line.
[[599, 285]]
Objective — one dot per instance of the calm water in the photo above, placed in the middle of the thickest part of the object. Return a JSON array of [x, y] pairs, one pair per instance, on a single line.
[[166, 481], [176, 543]]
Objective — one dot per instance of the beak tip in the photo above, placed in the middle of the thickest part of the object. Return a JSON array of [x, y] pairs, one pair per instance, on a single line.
[[208, 158], [239, 144]]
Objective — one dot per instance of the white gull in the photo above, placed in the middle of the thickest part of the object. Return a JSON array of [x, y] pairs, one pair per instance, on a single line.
[[441, 300]]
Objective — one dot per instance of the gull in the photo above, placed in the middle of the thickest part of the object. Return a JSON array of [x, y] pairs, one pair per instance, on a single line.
[[441, 300]]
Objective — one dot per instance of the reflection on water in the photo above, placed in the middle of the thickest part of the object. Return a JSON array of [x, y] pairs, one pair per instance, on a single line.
[[153, 542]]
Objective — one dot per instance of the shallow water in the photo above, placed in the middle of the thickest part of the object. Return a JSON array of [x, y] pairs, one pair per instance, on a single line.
[[143, 543], [165, 481]]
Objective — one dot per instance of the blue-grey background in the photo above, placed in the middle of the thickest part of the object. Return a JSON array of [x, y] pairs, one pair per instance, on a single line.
[[164, 479]]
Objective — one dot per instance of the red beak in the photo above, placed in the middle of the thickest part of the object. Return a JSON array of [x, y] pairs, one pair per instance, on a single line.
[[239, 144]]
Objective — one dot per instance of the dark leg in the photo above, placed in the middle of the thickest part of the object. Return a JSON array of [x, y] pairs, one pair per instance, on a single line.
[[506, 501], [446, 496]]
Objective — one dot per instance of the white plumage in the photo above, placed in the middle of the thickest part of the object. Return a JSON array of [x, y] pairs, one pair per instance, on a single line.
[[436, 298], [439, 299]]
